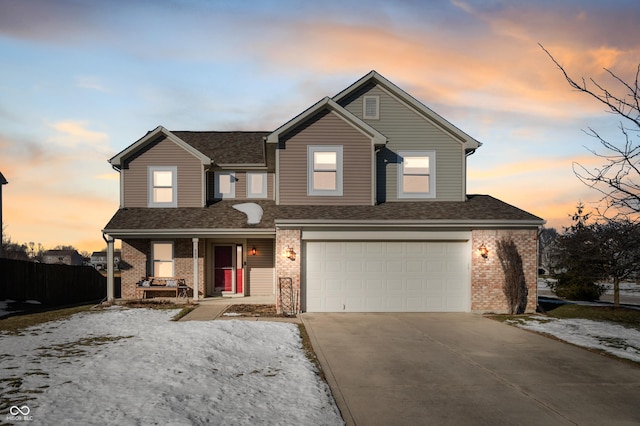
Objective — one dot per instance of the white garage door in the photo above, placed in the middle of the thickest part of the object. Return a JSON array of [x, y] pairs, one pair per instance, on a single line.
[[403, 276]]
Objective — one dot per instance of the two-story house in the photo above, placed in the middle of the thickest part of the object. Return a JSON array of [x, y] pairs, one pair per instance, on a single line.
[[360, 199]]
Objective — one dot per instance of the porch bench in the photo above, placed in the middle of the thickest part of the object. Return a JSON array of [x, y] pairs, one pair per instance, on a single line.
[[161, 284]]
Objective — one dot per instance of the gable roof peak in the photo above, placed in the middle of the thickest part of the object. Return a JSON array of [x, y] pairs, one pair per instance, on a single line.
[[149, 137], [328, 103], [470, 143]]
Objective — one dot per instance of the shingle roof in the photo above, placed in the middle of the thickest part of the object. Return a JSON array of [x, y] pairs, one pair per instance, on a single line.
[[477, 208], [221, 215], [227, 147]]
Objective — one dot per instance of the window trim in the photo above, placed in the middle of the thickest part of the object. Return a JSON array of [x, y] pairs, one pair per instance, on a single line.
[[251, 193], [153, 258], [431, 193], [311, 191], [151, 186], [366, 116], [216, 183]]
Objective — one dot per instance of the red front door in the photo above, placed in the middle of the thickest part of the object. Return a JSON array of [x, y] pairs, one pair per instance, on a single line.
[[223, 268]]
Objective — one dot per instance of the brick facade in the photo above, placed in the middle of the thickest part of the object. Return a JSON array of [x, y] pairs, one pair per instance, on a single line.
[[487, 276], [286, 267], [136, 255]]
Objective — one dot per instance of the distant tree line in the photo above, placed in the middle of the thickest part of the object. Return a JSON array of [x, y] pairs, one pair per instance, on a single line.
[[591, 251]]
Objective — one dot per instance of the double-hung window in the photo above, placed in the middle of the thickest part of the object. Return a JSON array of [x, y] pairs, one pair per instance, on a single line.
[[162, 255], [225, 185], [163, 186], [416, 174], [324, 170], [256, 184]]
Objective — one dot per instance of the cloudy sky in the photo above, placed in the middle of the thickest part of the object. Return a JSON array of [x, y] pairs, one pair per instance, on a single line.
[[81, 80]]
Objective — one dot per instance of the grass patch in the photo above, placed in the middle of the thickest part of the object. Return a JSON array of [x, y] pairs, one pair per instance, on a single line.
[[623, 316], [309, 352], [253, 310], [151, 304], [14, 324], [73, 349], [183, 312]]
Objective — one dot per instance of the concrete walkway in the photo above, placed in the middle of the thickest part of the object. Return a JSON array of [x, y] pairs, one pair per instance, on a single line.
[[441, 369], [212, 309]]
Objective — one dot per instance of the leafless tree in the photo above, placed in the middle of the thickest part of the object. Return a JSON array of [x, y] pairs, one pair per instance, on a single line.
[[618, 179]]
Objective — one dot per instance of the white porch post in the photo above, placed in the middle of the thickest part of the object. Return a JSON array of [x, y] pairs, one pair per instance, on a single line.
[[195, 269], [110, 283]]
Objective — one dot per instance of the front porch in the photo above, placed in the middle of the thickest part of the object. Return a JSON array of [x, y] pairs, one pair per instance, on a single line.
[[213, 268]]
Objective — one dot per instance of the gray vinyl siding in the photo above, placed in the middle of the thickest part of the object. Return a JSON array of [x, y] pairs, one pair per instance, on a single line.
[[241, 185], [162, 152], [260, 268], [326, 129], [406, 130]]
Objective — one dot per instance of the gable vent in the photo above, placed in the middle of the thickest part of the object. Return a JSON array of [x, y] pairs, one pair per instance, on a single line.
[[371, 107]]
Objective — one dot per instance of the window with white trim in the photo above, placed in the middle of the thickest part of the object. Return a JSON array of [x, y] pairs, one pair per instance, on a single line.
[[225, 185], [416, 174], [162, 258], [163, 186], [324, 170], [256, 184], [371, 107]]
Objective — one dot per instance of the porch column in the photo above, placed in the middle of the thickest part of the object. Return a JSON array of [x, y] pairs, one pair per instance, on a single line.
[[196, 283], [110, 284]]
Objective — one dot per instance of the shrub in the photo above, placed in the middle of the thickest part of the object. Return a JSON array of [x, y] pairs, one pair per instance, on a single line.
[[574, 286], [514, 286]]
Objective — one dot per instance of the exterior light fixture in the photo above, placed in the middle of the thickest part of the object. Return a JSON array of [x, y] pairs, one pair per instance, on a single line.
[[253, 251], [290, 254], [484, 251]]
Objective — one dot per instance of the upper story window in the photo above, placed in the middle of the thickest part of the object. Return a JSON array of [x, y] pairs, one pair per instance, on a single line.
[[324, 170], [225, 185], [416, 174], [256, 184], [371, 107], [163, 186]]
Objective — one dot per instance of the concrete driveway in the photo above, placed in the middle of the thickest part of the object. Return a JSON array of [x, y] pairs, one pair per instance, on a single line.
[[463, 369]]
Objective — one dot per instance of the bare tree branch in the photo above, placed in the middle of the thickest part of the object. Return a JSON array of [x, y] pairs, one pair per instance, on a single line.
[[618, 180]]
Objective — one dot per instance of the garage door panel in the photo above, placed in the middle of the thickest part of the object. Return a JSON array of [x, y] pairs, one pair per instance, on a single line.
[[359, 276], [416, 265], [415, 286]]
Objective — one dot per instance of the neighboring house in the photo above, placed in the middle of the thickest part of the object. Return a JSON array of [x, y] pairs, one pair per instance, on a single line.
[[99, 260], [66, 257], [360, 200]]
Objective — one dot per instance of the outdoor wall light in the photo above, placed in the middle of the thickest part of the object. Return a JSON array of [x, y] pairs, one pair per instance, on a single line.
[[484, 251], [253, 251], [290, 254]]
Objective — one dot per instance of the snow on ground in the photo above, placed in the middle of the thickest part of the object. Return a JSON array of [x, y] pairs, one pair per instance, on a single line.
[[5, 309], [135, 366], [615, 339]]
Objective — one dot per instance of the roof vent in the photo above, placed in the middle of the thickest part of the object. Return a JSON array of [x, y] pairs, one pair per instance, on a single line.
[[252, 210]]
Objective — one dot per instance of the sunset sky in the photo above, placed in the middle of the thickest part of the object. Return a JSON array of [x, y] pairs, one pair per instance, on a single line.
[[80, 80]]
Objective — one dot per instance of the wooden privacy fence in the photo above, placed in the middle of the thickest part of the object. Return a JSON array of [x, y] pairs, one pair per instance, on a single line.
[[52, 285]]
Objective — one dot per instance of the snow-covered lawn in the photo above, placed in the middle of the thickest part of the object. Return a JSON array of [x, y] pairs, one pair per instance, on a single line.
[[135, 366], [615, 339]]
